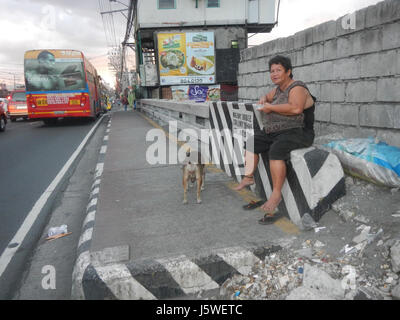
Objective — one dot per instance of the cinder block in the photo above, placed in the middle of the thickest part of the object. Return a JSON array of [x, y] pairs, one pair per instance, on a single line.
[[361, 91], [344, 46], [241, 70], [388, 90], [346, 114], [259, 51], [262, 64], [323, 112], [381, 116], [330, 49], [326, 70], [247, 54], [396, 118], [332, 92], [270, 48], [379, 64], [366, 41], [313, 54], [390, 36], [324, 31], [297, 58], [253, 66], [348, 68], [315, 90], [303, 38]]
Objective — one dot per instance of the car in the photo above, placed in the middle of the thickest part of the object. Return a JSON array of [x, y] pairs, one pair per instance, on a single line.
[[3, 118], [17, 107]]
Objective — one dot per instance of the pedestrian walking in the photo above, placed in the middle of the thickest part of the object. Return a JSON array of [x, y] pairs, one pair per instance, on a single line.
[[125, 99]]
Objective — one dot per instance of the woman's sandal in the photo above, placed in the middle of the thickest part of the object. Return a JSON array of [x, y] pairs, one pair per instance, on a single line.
[[269, 218], [253, 204]]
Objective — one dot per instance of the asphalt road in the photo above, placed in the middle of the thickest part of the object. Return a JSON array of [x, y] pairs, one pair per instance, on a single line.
[[31, 155]]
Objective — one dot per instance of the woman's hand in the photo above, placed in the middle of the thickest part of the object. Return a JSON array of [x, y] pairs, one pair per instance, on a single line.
[[266, 108], [262, 100]]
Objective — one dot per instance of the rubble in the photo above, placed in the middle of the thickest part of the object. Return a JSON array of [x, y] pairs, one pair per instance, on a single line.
[[365, 265]]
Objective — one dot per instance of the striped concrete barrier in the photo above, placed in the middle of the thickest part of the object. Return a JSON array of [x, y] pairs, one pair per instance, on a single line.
[[315, 178]]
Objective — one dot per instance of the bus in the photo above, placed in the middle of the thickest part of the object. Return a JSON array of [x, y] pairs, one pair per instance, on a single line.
[[60, 84]]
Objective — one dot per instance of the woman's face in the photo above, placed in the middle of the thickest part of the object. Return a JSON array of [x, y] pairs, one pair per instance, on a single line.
[[278, 74]]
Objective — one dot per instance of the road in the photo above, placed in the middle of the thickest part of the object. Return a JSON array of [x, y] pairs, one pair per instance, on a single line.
[[32, 155]]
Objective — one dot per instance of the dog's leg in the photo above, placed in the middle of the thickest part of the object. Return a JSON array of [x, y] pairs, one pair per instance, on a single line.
[[203, 171], [185, 186], [199, 178]]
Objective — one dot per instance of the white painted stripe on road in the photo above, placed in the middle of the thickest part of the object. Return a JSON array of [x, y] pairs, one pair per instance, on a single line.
[[242, 260], [87, 235], [30, 219], [103, 149], [190, 277], [121, 283], [105, 138]]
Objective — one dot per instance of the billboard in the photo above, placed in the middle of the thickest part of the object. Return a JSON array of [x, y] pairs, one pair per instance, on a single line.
[[186, 58], [54, 70]]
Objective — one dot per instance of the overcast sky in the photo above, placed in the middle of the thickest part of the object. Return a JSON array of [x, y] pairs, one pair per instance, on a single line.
[[77, 24]]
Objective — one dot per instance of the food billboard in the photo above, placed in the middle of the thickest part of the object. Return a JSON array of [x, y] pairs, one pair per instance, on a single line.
[[186, 58]]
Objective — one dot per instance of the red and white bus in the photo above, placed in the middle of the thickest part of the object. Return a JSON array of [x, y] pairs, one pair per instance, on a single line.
[[60, 84]]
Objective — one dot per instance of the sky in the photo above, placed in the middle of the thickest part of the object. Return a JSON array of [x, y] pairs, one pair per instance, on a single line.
[[78, 24]]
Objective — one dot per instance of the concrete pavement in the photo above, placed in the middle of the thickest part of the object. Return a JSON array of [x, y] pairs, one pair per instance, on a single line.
[[140, 242]]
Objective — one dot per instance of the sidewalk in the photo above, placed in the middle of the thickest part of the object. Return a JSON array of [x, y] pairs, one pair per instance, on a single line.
[[140, 241]]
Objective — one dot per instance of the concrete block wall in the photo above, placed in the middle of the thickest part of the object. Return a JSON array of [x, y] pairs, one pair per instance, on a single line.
[[354, 73]]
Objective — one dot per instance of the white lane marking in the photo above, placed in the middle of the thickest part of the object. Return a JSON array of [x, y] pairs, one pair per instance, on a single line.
[[103, 149], [30, 219]]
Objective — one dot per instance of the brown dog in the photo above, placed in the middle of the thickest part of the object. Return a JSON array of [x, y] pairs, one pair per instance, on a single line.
[[193, 170]]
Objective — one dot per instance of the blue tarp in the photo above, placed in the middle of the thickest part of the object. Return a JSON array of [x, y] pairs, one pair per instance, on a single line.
[[379, 153]]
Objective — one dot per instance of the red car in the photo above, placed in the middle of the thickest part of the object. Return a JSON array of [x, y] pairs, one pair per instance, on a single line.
[[3, 118]]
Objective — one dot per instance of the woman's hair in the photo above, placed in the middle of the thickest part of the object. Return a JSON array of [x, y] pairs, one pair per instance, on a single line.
[[284, 62]]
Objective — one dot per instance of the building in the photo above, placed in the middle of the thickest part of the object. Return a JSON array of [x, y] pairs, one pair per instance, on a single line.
[[195, 42]]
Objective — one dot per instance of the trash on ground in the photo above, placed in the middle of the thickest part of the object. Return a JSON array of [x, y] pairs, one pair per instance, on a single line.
[[58, 232], [319, 229], [367, 158]]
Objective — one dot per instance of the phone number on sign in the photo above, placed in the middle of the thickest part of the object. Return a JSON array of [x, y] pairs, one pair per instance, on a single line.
[[191, 80]]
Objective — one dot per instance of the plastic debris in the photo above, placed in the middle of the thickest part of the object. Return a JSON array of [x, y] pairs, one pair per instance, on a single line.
[[319, 229], [57, 230]]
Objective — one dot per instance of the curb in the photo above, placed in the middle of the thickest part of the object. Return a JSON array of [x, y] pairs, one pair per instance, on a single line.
[[83, 253]]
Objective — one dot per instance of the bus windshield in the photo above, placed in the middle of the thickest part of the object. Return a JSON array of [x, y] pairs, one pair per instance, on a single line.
[[45, 72]]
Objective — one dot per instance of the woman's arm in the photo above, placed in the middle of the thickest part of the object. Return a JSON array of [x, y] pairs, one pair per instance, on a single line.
[[295, 105]]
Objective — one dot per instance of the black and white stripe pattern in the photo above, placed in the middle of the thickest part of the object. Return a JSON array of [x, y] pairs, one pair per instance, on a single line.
[[83, 252], [315, 178], [174, 277]]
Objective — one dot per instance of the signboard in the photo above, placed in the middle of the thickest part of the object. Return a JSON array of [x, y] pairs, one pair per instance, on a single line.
[[196, 93], [186, 58]]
